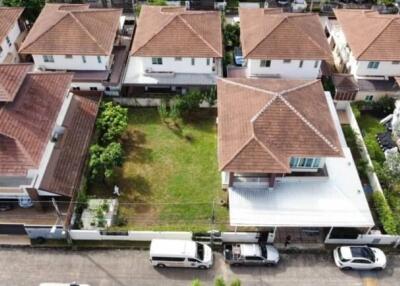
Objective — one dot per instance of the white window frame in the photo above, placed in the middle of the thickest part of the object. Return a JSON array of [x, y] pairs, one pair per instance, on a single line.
[[156, 61], [305, 162], [373, 65], [369, 98], [84, 59], [265, 63], [48, 58]]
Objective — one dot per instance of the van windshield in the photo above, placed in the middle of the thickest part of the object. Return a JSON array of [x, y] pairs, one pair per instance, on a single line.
[[200, 251]]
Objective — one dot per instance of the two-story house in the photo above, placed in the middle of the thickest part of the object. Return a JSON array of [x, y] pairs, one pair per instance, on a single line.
[[10, 34], [282, 45], [284, 159], [366, 45], [45, 132], [175, 49], [76, 38]]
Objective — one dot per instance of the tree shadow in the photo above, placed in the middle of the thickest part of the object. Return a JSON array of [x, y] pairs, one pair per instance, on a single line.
[[133, 143]]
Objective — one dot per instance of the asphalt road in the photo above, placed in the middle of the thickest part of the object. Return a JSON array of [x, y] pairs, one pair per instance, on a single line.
[[25, 267]]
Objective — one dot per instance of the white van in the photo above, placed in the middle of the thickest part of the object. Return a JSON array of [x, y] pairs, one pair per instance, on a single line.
[[180, 253]]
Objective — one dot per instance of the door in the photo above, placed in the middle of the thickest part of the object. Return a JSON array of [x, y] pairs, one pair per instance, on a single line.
[[194, 263], [362, 263], [254, 260]]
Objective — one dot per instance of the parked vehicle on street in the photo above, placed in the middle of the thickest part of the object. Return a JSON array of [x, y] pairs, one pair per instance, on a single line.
[[63, 284], [359, 257], [180, 253], [250, 254]]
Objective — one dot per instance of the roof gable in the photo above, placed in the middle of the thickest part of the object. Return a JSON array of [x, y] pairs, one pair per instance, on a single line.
[[72, 29], [177, 32], [282, 121], [282, 35]]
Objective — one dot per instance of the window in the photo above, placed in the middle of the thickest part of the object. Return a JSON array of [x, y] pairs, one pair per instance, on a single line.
[[305, 163], [84, 59], [8, 41], [362, 261], [287, 61], [93, 88], [178, 59], [396, 63], [76, 88], [68, 56], [208, 61], [316, 64], [193, 260], [253, 258], [48, 59], [193, 61], [265, 63], [156, 61], [175, 259], [369, 98], [99, 59], [373, 65], [301, 64]]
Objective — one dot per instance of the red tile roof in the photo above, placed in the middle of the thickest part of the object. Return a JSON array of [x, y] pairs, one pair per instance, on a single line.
[[64, 171], [370, 35], [175, 32], [11, 78], [262, 123], [272, 34], [27, 122], [72, 30], [8, 18]]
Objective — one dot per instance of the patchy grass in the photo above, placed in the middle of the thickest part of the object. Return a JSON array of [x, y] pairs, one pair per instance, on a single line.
[[170, 179]]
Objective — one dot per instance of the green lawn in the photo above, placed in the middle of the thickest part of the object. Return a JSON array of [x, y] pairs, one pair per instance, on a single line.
[[170, 178]]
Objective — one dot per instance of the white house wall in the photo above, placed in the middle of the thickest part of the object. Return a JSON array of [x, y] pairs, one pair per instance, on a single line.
[[385, 68], [12, 35], [170, 64], [376, 94], [88, 85], [74, 63], [290, 70]]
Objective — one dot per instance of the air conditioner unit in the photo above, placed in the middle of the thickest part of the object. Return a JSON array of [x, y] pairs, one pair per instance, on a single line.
[[41, 68]]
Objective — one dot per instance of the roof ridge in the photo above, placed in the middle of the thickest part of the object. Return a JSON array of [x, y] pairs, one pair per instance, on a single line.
[[87, 32], [376, 37], [155, 34], [198, 35], [23, 47], [248, 86], [266, 36], [307, 83], [308, 123], [237, 152]]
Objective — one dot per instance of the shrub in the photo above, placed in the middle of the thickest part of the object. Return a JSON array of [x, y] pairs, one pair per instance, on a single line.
[[103, 160], [112, 122], [385, 213], [383, 106], [236, 282], [210, 96], [232, 35], [356, 107], [184, 104], [219, 282], [196, 282]]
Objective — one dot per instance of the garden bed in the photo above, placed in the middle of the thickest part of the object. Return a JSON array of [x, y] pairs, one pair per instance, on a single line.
[[169, 179]]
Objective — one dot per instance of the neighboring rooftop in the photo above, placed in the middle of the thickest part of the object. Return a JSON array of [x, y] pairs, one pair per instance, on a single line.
[[73, 29], [11, 78], [370, 35], [262, 123], [272, 34], [8, 18], [26, 123], [66, 163], [176, 32]]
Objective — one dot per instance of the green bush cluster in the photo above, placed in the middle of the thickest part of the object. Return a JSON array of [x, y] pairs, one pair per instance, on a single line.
[[385, 213], [107, 153]]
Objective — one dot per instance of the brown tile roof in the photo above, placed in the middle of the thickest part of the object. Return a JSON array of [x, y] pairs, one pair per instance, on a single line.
[[264, 122], [175, 32], [370, 35], [27, 122], [64, 172], [8, 18], [277, 35], [11, 78], [72, 30]]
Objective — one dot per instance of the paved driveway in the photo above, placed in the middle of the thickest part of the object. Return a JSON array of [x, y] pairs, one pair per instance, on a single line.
[[130, 267]]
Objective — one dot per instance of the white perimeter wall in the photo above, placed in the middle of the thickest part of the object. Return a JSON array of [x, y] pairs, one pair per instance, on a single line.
[[285, 70], [13, 35], [74, 63]]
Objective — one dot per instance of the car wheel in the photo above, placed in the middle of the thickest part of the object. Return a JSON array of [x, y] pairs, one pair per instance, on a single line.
[[347, 268], [161, 265], [202, 267]]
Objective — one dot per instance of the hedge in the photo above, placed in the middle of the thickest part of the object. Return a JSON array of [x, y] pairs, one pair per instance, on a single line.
[[385, 213]]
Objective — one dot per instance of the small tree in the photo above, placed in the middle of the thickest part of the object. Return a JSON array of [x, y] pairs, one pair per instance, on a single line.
[[95, 163], [210, 96], [32, 7], [236, 282], [103, 160], [184, 104], [232, 35], [196, 282], [112, 122], [219, 282]]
